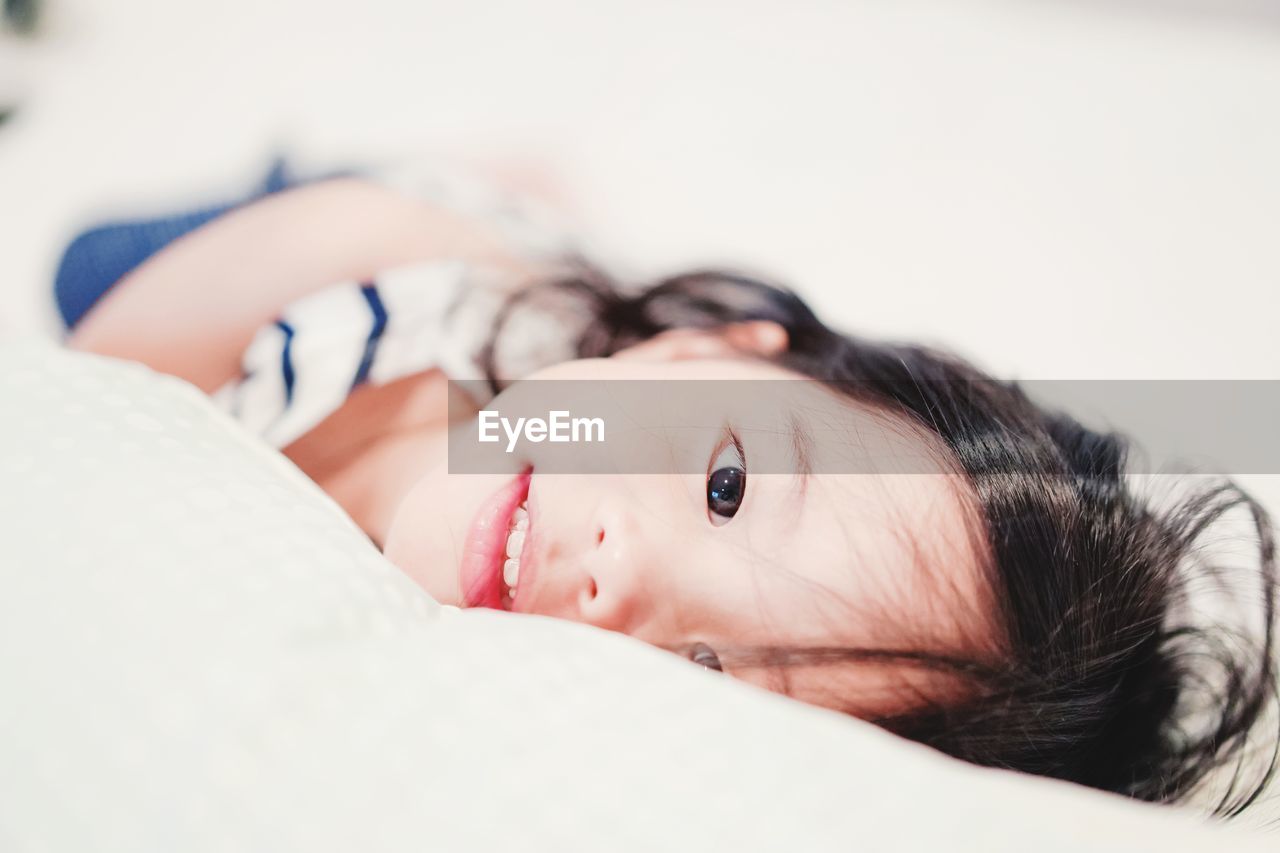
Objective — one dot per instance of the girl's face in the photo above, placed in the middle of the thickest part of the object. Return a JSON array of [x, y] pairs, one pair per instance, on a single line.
[[721, 560]]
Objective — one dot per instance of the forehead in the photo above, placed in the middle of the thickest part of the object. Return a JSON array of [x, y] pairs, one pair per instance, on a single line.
[[859, 559], [867, 539], [870, 563]]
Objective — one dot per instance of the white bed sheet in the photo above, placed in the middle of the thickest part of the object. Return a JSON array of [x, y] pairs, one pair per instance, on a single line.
[[199, 652]]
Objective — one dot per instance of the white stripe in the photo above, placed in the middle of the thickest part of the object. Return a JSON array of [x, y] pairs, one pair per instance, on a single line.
[[331, 328], [259, 399], [417, 300]]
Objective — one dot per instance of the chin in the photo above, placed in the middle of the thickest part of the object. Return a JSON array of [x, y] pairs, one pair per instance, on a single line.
[[430, 528], [436, 576], [413, 545]]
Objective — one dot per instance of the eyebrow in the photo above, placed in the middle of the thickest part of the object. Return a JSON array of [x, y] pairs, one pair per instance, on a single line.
[[779, 679], [801, 451]]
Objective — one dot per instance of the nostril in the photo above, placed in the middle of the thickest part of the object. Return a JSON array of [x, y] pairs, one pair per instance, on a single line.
[[591, 590], [600, 536]]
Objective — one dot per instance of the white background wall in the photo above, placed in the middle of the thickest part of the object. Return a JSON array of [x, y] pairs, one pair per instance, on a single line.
[[1058, 189]]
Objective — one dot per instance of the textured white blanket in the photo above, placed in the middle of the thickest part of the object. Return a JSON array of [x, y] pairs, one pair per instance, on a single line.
[[198, 651]]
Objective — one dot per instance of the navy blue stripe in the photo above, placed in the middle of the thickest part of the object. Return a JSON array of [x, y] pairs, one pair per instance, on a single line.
[[286, 360], [379, 312]]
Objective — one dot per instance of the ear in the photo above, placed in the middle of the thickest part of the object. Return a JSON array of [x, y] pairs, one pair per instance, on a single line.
[[763, 338], [757, 337]]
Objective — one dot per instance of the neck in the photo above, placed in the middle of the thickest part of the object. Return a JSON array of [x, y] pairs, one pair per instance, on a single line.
[[372, 484], [369, 453]]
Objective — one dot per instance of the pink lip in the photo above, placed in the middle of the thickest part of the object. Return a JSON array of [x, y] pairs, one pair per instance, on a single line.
[[480, 574]]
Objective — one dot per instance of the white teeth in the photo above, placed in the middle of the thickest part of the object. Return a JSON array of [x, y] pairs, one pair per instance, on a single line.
[[515, 544]]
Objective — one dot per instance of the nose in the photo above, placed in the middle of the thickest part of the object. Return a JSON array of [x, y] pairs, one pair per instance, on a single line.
[[617, 571]]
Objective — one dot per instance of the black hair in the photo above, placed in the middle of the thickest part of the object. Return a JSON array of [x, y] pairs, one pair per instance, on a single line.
[[1099, 678]]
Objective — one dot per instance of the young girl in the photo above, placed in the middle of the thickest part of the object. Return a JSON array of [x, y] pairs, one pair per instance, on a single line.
[[1007, 598]]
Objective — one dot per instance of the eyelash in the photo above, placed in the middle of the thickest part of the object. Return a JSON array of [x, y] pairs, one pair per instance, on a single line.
[[728, 483]]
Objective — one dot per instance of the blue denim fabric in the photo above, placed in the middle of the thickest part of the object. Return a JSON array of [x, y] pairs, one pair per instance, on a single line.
[[98, 258]]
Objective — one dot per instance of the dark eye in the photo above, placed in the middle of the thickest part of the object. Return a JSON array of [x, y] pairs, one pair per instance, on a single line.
[[726, 484], [704, 656]]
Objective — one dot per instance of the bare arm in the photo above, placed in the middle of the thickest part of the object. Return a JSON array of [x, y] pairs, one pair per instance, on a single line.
[[191, 309]]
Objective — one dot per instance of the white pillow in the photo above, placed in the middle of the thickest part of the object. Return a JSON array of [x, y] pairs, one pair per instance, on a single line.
[[199, 651]]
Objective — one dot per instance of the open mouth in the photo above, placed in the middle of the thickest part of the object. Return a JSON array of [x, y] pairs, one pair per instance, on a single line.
[[489, 575]]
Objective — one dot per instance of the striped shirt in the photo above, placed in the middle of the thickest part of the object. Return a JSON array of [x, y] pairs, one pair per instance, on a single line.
[[431, 315], [301, 368]]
